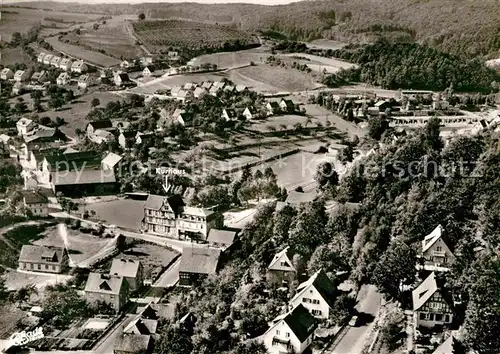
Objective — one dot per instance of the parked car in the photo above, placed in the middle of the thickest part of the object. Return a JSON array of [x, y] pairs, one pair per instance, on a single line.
[[353, 322]]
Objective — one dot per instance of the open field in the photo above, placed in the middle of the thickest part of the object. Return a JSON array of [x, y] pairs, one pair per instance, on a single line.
[[112, 37], [78, 52], [326, 44], [81, 246], [231, 59], [130, 215], [22, 20], [159, 35], [11, 56], [285, 122], [149, 254], [15, 280], [280, 78], [318, 63]]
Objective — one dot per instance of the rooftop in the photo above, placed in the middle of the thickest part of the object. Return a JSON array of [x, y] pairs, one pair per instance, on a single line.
[[424, 291], [225, 237], [133, 343], [200, 260], [41, 254], [127, 268], [101, 283], [86, 176]]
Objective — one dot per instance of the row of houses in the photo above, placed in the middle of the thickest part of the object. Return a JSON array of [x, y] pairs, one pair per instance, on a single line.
[[196, 90], [65, 64]]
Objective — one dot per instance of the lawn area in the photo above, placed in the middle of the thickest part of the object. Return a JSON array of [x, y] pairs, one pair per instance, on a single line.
[[112, 37], [231, 59], [11, 56], [326, 44], [318, 63], [129, 216], [281, 79], [15, 280], [11, 315], [149, 255], [75, 51], [282, 122]]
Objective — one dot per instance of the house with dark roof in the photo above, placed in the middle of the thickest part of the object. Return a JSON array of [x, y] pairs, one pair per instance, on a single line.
[[43, 259], [6, 74], [221, 238], [89, 181], [290, 333], [250, 112], [281, 270], [126, 139], [197, 263], [141, 326], [121, 79], [450, 346], [431, 305], [134, 344], [110, 289], [317, 295], [132, 270], [71, 161], [436, 250], [273, 108], [229, 114], [104, 124], [287, 106], [37, 201]]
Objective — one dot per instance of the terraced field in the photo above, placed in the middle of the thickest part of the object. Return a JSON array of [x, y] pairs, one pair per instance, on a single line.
[[161, 35]]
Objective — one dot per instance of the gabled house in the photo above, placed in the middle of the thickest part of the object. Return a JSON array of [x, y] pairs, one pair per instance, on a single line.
[[173, 55], [127, 138], [17, 88], [6, 74], [207, 85], [183, 94], [229, 114], [287, 106], [272, 108], [130, 269], [199, 92], [436, 249], [175, 91], [141, 326], [43, 259], [189, 86], [430, 305], [147, 71], [250, 112], [55, 61], [134, 344], [37, 201], [39, 76], [85, 81], [121, 79], [241, 88], [40, 57], [63, 79], [186, 118], [104, 124], [295, 199], [47, 59], [292, 332], [221, 238], [110, 162], [25, 126], [21, 75], [229, 88], [281, 269], [110, 289], [317, 295], [197, 263], [66, 64], [79, 67], [142, 138]]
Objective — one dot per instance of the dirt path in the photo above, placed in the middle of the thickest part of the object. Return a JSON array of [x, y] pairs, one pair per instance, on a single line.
[[130, 30]]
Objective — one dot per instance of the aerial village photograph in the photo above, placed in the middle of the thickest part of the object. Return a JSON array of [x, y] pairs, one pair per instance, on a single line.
[[250, 177]]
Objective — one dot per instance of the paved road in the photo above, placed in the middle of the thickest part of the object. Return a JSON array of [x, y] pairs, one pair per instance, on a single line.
[[354, 339], [170, 277], [107, 344]]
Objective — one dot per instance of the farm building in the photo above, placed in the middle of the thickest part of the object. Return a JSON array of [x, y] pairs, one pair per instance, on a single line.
[[6, 74], [197, 263]]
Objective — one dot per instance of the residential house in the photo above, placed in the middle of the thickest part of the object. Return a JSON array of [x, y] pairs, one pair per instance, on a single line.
[[110, 289], [175, 91], [55, 61], [134, 344], [218, 85], [436, 249], [173, 55], [317, 295], [25, 126], [287, 106], [39, 76], [229, 114], [63, 79], [104, 124], [430, 305], [281, 270], [47, 59], [17, 88], [126, 139], [43, 259], [241, 88], [170, 215], [110, 162], [131, 270], [121, 79], [126, 64], [250, 112], [37, 201], [141, 138], [85, 80], [87, 181], [189, 86], [207, 85], [147, 71], [146, 61], [79, 66], [40, 57], [141, 326], [273, 108], [186, 118], [183, 94], [199, 92], [229, 88], [295, 199], [6, 74], [290, 333], [197, 263], [21, 75], [66, 64], [450, 346], [221, 238], [101, 136]]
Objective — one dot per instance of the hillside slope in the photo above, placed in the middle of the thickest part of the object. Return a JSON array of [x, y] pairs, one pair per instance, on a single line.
[[462, 27]]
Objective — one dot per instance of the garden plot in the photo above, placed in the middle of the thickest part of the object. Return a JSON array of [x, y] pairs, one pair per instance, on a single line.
[[129, 216]]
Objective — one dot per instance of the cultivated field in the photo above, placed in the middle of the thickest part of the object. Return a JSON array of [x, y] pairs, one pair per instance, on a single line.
[[130, 215], [112, 37], [231, 59], [160, 35], [89, 56], [22, 20]]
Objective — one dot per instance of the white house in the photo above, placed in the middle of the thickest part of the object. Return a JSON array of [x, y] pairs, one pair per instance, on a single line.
[[229, 114], [21, 75], [25, 126], [17, 88], [85, 81], [317, 295], [39, 76], [273, 108], [435, 250], [199, 92], [40, 57], [126, 64], [47, 59], [63, 78], [65, 64], [6, 74], [79, 67], [55, 61], [430, 305], [250, 112], [281, 269], [291, 332], [146, 72]]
